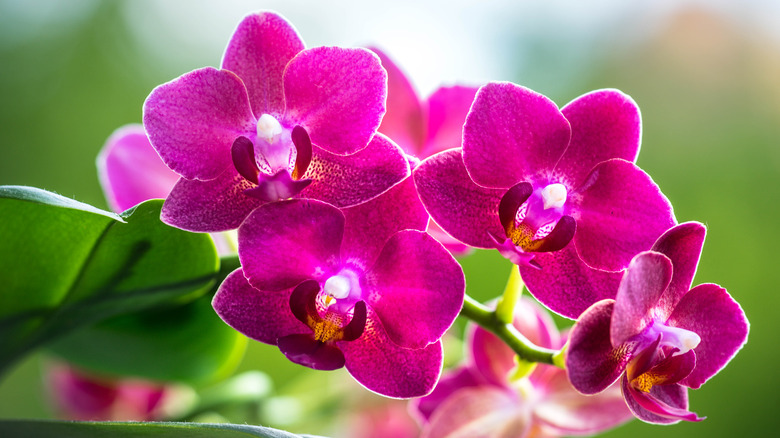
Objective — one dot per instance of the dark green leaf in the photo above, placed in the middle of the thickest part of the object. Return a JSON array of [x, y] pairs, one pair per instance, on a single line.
[[66, 265], [65, 429]]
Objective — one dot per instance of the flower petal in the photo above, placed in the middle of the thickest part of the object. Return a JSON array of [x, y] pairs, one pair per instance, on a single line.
[[591, 362], [416, 289], [380, 365], [260, 315], [682, 244], [667, 404], [710, 312], [449, 383], [404, 121], [481, 412], [258, 52], [447, 108], [283, 243], [463, 209], [567, 412], [348, 180], [512, 134], [642, 285], [620, 212], [370, 224], [566, 285], [304, 350], [193, 120], [337, 94], [130, 170], [605, 124], [209, 206]]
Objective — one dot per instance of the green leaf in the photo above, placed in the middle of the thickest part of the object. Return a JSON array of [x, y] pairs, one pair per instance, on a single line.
[[67, 429], [67, 265]]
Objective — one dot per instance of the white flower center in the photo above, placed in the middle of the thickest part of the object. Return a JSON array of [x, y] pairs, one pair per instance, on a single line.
[[337, 287], [268, 128], [554, 196], [684, 340]]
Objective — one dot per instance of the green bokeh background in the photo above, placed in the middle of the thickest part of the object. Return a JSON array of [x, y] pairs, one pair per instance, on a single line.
[[708, 87]]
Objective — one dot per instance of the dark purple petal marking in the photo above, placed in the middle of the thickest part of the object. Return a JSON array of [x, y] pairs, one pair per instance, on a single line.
[[511, 202], [354, 329], [304, 350], [243, 154], [277, 187], [558, 238], [300, 139], [303, 301]]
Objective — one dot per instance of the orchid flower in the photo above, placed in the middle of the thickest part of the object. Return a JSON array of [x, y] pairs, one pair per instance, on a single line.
[[82, 396], [658, 336], [481, 398], [273, 123], [529, 175], [424, 127], [361, 289]]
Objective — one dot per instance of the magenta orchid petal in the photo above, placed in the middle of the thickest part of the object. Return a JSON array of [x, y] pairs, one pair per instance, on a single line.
[[380, 365], [465, 210], [709, 311], [605, 124], [682, 244], [258, 52], [193, 120], [642, 285], [286, 242], [618, 207], [260, 315], [349, 180], [337, 94], [479, 412], [209, 206], [416, 288], [447, 108], [512, 134], [568, 295], [666, 404], [591, 362], [567, 412], [370, 224], [304, 350], [449, 383], [130, 171], [404, 121]]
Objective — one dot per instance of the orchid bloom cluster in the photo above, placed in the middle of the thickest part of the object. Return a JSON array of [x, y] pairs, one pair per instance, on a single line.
[[351, 195]]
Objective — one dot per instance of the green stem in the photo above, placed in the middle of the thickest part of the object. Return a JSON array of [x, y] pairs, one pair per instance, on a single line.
[[488, 320], [505, 308]]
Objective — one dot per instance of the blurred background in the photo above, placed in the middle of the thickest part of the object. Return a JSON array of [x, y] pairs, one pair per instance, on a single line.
[[706, 75]]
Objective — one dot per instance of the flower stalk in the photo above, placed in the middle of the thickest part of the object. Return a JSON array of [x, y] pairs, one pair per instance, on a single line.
[[489, 320]]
